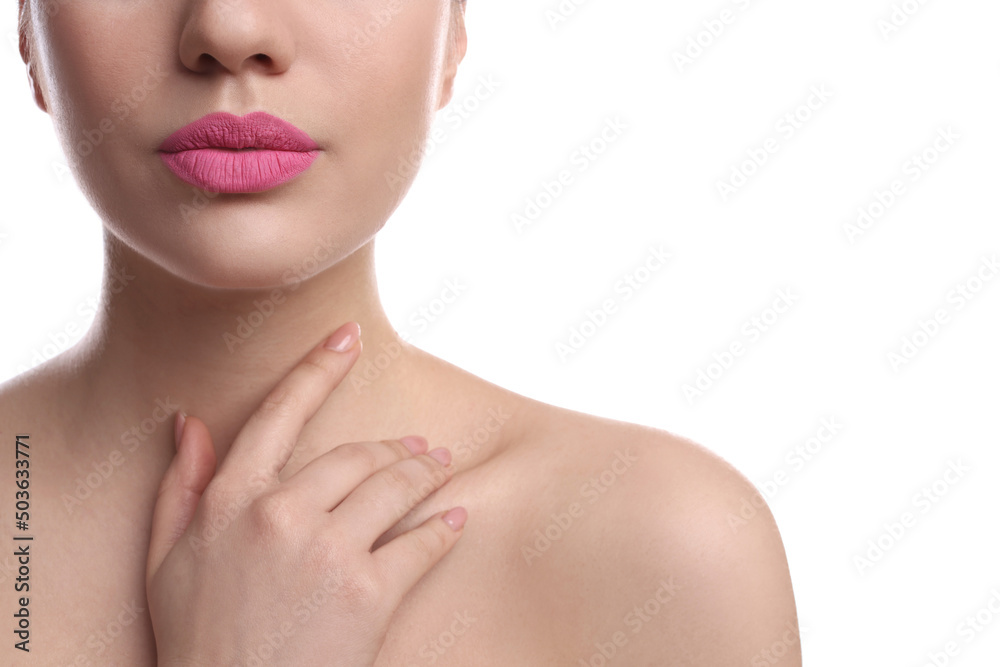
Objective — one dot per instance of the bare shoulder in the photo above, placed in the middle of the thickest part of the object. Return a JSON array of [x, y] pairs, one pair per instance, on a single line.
[[19, 398], [650, 555], [33, 411], [18, 434], [26, 398]]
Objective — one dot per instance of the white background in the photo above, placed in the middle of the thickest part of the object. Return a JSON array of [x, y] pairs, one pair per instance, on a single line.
[[826, 358]]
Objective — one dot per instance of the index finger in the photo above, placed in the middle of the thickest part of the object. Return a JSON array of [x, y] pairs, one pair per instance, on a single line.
[[266, 441]]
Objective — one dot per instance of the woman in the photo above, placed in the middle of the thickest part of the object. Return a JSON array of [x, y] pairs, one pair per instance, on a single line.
[[240, 201]]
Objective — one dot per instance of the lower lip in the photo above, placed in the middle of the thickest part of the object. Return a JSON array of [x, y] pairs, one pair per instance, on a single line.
[[232, 171]]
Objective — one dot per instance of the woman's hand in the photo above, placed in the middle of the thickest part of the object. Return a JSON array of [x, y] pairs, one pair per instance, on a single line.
[[244, 569]]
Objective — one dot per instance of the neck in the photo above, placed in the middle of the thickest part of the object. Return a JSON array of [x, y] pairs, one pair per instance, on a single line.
[[160, 344]]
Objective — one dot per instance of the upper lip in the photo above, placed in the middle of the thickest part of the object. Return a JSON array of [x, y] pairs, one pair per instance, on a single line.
[[258, 129]]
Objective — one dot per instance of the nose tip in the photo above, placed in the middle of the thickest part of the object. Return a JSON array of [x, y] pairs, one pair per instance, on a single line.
[[210, 62], [219, 38]]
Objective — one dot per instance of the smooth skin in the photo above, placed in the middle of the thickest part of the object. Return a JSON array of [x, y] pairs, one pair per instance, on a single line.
[[310, 536], [579, 527]]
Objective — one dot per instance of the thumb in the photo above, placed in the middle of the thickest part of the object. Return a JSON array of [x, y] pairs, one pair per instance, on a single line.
[[184, 482]]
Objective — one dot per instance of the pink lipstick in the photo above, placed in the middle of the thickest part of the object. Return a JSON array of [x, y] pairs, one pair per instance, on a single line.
[[222, 152]]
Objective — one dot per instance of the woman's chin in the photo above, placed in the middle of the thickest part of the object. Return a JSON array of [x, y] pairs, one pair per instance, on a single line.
[[239, 274], [240, 256]]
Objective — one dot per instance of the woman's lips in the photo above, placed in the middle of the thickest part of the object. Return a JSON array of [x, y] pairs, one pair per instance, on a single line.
[[222, 152], [224, 170]]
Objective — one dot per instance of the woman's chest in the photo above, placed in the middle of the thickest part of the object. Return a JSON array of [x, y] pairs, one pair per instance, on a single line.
[[88, 603], [473, 608]]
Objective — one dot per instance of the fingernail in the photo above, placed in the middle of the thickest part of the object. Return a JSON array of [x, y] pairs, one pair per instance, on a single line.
[[414, 443], [179, 422], [344, 338], [455, 518], [441, 455]]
